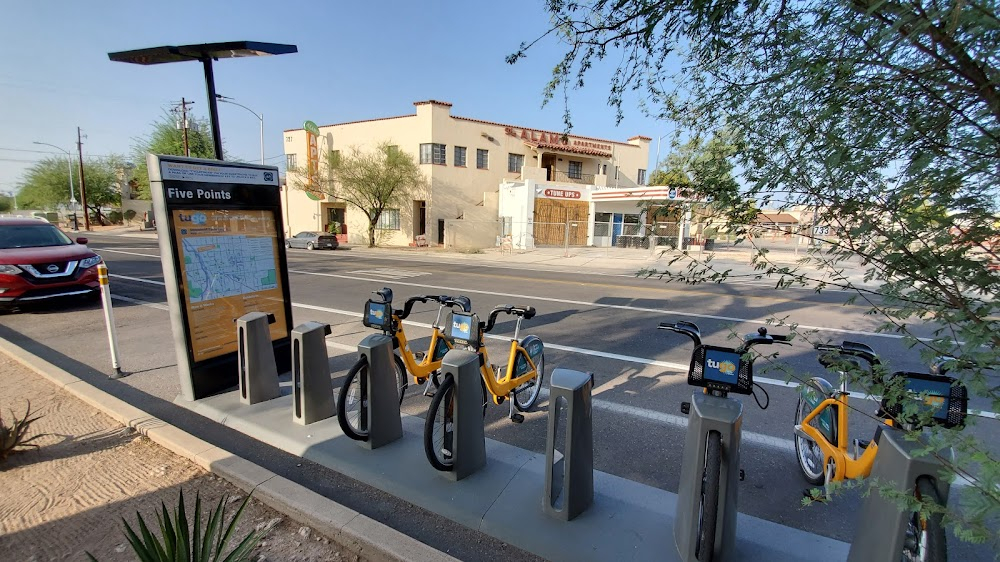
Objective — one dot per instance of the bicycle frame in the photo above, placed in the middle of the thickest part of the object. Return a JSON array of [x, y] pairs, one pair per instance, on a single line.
[[435, 352], [501, 387], [845, 465]]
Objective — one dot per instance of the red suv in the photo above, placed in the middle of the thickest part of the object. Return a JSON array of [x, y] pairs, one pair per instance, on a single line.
[[38, 261]]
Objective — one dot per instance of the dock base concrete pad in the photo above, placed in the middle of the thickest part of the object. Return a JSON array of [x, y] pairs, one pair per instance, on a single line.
[[627, 520]]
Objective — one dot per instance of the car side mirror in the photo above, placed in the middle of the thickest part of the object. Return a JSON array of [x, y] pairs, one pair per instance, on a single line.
[[81, 240]]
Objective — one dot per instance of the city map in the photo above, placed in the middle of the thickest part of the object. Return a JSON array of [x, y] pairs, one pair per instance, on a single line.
[[226, 266]]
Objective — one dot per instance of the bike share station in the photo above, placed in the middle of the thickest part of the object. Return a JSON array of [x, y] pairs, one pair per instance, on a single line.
[[243, 366]]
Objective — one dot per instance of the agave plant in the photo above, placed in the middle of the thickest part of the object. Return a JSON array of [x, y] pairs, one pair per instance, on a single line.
[[205, 541], [14, 436]]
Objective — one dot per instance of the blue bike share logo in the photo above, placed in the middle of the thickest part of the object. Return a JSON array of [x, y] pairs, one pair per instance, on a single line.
[[721, 366]]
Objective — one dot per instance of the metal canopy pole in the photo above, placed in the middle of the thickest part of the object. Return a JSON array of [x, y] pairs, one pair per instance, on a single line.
[[213, 108]]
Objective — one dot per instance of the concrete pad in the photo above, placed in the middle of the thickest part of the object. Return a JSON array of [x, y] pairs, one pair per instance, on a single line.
[[504, 499]]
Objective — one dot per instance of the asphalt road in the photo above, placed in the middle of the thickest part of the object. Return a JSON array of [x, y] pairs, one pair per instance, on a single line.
[[604, 324]]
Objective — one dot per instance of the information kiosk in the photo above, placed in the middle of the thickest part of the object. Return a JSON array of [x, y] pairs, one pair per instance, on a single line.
[[223, 253]]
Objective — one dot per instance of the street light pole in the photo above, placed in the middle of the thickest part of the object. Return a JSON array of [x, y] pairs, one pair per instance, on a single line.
[[229, 100], [69, 163]]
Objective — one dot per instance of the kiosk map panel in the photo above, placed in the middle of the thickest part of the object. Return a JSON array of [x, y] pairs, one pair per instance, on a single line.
[[229, 267]]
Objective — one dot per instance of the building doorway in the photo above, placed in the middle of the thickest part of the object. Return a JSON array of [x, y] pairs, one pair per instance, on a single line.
[[419, 218], [441, 232], [335, 221], [549, 163]]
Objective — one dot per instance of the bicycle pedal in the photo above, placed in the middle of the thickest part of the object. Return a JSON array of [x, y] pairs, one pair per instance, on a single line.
[[517, 418], [685, 408]]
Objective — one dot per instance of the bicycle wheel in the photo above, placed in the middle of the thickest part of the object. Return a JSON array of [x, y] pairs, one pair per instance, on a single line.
[[527, 393], [925, 539], [400, 371], [439, 426], [351, 409], [807, 451], [709, 498]]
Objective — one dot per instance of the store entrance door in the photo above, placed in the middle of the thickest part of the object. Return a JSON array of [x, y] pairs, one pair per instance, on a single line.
[[616, 227]]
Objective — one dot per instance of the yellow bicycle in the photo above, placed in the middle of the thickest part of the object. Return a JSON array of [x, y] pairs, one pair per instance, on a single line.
[[520, 381], [352, 402], [822, 438]]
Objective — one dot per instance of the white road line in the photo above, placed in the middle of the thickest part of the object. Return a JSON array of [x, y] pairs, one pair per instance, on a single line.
[[581, 303], [600, 305], [155, 305], [579, 350]]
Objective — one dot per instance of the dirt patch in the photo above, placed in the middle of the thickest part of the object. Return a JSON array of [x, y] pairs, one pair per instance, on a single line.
[[69, 496]]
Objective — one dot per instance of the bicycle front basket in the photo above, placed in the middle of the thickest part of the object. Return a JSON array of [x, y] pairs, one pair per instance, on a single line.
[[720, 368], [377, 315], [945, 398]]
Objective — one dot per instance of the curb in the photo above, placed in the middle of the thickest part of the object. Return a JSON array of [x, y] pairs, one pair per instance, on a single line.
[[354, 531]]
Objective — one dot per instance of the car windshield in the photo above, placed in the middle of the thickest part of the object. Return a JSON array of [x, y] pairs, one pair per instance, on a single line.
[[31, 236]]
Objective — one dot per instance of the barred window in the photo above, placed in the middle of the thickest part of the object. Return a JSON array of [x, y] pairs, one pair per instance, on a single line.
[[432, 153], [642, 177], [482, 159], [290, 161], [575, 169], [460, 156], [515, 162], [388, 220]]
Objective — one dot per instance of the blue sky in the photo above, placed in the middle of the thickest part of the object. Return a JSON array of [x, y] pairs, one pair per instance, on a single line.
[[356, 60]]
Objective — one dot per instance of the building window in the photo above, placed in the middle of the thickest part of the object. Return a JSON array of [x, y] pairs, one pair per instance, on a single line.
[[482, 159], [642, 177], [616, 172], [290, 161], [515, 162], [460, 156], [604, 169], [388, 220], [575, 170], [432, 153]]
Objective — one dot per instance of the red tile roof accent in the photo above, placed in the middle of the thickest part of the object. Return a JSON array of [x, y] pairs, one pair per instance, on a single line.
[[567, 148], [776, 218], [433, 102], [530, 129], [641, 137]]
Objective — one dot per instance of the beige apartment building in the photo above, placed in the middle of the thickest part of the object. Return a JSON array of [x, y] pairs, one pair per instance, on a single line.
[[465, 161]]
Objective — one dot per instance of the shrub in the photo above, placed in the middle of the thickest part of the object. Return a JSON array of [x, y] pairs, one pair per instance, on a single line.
[[197, 543], [14, 436]]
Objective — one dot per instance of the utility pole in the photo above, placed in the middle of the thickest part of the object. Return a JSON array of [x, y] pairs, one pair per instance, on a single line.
[[83, 182], [182, 107]]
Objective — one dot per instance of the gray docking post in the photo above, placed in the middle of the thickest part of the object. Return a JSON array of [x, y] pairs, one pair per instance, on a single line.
[[258, 374], [312, 389], [882, 522], [569, 479], [709, 413], [468, 434], [379, 394]]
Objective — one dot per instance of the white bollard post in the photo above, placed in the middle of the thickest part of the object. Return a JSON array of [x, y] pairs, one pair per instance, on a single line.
[[109, 320]]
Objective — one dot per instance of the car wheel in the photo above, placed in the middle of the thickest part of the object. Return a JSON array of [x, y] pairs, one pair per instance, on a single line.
[[288, 244], [310, 245]]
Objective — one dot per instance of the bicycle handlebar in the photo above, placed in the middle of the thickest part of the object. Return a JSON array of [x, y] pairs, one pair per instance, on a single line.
[[761, 338], [689, 329], [526, 312]]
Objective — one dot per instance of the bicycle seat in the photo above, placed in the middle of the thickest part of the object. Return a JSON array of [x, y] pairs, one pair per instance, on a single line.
[[385, 293]]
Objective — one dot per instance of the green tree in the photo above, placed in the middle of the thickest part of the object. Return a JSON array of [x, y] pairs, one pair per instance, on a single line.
[[167, 138], [6, 203], [371, 181], [46, 184], [884, 116]]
